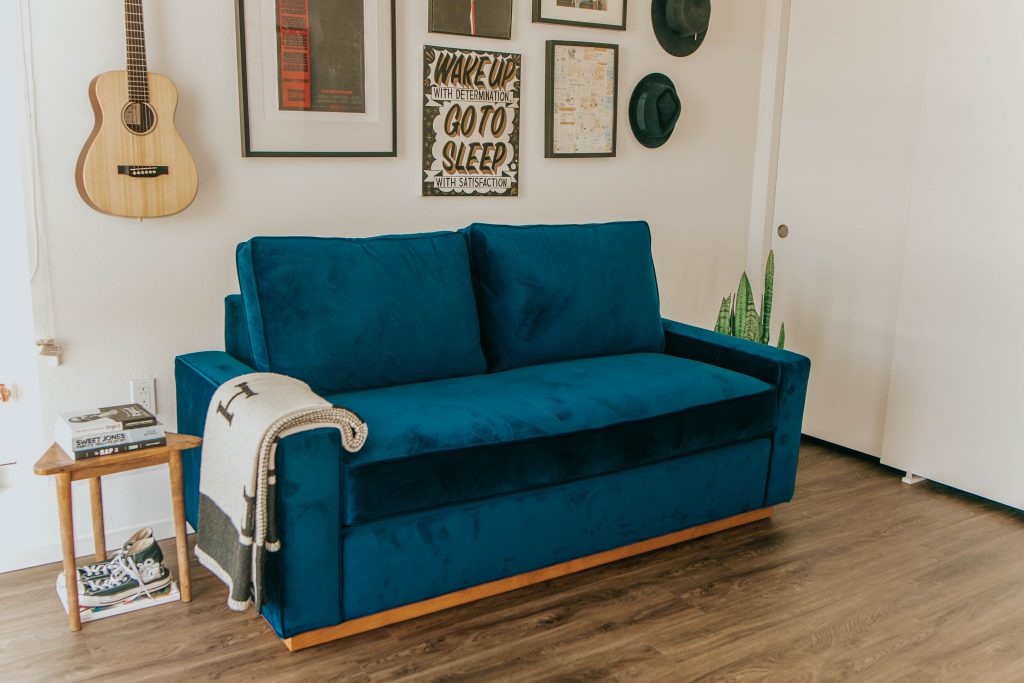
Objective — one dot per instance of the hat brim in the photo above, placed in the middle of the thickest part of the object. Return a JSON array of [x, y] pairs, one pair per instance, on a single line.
[[642, 137], [674, 44]]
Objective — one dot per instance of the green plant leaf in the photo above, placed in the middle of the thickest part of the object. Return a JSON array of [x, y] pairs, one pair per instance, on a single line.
[[722, 324], [743, 302], [782, 336], [753, 324], [752, 321], [752, 329], [766, 301]]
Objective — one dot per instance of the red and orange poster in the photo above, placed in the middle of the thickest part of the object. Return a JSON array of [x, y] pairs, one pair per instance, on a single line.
[[321, 55]]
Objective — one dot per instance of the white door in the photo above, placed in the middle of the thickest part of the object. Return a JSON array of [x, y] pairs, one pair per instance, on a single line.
[[851, 102], [956, 407]]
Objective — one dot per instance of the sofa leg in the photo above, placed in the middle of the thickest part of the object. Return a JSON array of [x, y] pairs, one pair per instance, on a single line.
[[511, 583]]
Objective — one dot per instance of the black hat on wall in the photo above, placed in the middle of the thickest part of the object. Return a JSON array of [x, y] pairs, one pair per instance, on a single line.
[[654, 108], [681, 25]]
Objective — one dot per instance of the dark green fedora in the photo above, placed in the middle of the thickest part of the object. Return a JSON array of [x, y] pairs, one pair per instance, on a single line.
[[654, 108], [681, 25]]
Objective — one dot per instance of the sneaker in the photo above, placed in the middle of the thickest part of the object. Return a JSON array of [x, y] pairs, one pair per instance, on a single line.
[[139, 570], [98, 570]]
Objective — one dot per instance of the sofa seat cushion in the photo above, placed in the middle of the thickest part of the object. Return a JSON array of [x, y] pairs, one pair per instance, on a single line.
[[436, 443], [346, 314], [556, 292]]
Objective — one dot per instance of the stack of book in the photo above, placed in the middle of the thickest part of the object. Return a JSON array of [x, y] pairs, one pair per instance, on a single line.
[[104, 431]]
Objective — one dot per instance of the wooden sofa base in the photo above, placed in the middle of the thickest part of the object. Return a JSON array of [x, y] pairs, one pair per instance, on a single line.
[[511, 583]]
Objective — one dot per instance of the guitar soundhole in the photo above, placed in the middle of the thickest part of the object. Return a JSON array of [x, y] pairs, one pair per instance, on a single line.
[[139, 117]]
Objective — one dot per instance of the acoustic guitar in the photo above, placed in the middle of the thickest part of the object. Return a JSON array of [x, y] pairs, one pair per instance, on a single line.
[[135, 163]]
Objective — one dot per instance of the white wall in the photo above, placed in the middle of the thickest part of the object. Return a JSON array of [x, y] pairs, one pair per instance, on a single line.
[[957, 392], [21, 432], [128, 297]]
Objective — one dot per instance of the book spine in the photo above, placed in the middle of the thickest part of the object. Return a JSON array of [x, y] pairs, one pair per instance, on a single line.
[[116, 438], [120, 448], [82, 432]]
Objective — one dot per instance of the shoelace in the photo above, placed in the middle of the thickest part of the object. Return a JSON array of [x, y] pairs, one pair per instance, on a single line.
[[125, 570], [134, 572], [96, 568], [115, 578]]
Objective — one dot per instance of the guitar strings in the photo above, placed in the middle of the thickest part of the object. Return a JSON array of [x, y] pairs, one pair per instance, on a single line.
[[130, 110], [133, 65], [137, 79]]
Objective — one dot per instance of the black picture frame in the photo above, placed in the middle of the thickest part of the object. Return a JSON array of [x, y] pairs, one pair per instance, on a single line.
[[539, 18], [448, 174], [549, 101], [243, 92], [434, 25]]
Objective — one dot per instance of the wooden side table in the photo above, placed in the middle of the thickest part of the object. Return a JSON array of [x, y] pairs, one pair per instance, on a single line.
[[55, 462]]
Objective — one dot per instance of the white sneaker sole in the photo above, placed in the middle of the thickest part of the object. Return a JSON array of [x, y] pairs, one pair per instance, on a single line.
[[113, 599]]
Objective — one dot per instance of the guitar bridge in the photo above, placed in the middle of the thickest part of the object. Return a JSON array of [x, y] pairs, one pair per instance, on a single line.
[[142, 171]]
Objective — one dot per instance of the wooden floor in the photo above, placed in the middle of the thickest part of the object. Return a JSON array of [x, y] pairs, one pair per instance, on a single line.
[[861, 578]]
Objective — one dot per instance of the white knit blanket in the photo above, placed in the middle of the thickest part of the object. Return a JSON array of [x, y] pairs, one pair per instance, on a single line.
[[247, 418]]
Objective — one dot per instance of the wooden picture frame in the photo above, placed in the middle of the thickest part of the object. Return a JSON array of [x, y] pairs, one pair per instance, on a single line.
[[581, 121], [284, 113], [496, 25], [581, 13]]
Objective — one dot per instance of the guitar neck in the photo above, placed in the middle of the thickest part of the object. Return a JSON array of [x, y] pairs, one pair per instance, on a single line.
[[135, 42]]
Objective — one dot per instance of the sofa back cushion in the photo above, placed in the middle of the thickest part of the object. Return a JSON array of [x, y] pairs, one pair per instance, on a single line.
[[346, 314], [556, 292]]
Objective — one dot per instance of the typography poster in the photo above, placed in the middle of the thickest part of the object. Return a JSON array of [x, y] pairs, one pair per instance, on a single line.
[[470, 122], [321, 55]]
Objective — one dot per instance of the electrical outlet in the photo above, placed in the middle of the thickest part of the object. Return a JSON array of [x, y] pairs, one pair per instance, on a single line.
[[144, 393]]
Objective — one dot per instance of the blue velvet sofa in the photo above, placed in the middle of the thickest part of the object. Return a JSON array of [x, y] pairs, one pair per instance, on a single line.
[[527, 407]]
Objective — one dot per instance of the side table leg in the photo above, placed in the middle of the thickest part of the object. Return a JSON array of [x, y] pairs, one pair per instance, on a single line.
[[98, 532], [180, 535], [67, 540]]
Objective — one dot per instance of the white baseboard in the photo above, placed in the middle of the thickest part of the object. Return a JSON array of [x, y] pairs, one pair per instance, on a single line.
[[84, 546]]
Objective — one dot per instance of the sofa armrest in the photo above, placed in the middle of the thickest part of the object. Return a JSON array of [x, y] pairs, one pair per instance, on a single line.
[[304, 574], [196, 377], [786, 371]]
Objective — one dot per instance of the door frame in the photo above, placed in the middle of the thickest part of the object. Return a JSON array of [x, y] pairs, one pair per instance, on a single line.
[[769, 128]]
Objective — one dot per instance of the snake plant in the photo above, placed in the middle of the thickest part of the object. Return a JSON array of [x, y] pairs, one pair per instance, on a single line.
[[738, 316]]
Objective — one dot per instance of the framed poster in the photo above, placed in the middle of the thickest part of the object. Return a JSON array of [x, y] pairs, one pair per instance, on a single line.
[[317, 77], [593, 13], [581, 103], [470, 122], [477, 18]]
